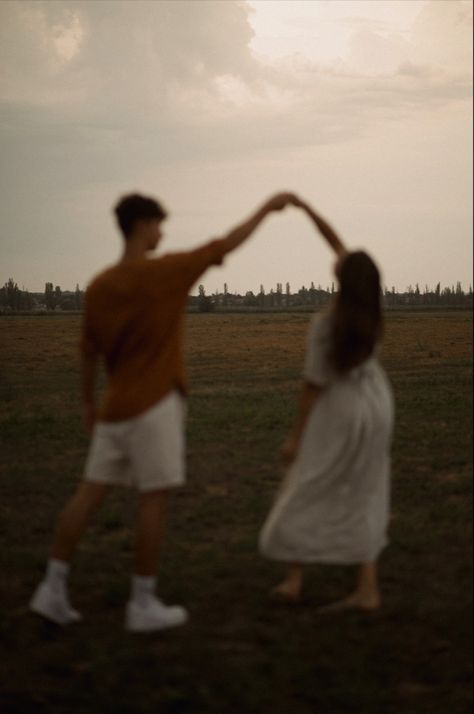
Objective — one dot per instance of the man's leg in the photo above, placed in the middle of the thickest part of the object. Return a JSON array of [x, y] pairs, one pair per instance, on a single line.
[[149, 532], [145, 612], [51, 597], [75, 518]]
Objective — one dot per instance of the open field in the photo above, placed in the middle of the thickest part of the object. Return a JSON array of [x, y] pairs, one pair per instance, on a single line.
[[239, 654]]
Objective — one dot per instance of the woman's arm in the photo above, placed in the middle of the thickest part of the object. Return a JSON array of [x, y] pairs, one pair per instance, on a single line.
[[329, 233], [307, 400]]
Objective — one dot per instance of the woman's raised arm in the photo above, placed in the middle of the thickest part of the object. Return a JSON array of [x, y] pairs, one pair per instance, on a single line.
[[329, 233]]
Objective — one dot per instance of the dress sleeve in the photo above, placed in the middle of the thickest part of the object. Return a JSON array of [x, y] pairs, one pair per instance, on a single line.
[[317, 368]]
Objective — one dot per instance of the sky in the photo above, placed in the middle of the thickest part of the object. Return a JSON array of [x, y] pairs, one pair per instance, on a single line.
[[362, 107]]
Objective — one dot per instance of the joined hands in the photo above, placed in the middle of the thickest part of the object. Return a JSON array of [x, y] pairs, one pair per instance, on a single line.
[[281, 200]]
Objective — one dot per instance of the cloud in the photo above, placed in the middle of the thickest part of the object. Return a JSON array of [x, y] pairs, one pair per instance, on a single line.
[[97, 96], [442, 35], [91, 89], [176, 79], [95, 91], [120, 53]]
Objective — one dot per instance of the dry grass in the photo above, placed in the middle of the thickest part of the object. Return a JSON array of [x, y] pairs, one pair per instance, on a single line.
[[238, 655]]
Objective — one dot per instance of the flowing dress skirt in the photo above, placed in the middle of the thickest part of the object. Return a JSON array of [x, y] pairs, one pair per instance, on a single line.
[[333, 506]]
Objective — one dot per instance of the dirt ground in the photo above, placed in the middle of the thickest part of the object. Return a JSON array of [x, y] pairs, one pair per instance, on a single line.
[[239, 654]]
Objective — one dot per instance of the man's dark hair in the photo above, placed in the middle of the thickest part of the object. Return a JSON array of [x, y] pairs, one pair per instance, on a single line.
[[133, 208]]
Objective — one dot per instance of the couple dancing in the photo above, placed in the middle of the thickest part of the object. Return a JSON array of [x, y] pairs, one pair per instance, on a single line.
[[333, 505]]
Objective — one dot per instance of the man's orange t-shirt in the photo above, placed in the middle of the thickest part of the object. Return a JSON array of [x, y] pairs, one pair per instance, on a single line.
[[133, 316]]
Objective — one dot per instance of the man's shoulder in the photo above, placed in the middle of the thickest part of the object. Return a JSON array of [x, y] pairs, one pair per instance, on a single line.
[[122, 274], [102, 278], [168, 263], [173, 261]]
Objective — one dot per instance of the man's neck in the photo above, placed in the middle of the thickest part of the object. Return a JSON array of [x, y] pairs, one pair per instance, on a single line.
[[134, 249]]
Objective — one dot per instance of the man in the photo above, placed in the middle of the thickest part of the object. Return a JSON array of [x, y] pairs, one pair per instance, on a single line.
[[134, 320]]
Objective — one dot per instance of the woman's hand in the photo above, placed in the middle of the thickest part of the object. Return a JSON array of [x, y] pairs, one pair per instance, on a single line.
[[289, 449], [90, 416], [302, 204]]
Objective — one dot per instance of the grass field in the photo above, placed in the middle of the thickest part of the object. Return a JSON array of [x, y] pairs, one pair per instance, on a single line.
[[239, 654]]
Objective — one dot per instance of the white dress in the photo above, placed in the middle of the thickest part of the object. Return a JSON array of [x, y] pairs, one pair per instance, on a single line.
[[333, 506]]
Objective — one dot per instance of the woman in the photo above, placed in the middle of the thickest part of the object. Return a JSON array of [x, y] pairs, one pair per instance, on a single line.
[[333, 506]]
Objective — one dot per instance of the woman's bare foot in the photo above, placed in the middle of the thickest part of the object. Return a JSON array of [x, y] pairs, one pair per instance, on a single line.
[[366, 596], [286, 591], [366, 602], [289, 590]]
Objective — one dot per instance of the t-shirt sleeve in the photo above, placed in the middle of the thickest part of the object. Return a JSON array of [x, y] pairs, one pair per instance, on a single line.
[[195, 262], [317, 368]]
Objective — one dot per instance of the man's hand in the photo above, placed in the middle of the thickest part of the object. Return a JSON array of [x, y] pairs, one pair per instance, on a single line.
[[90, 416], [89, 364]]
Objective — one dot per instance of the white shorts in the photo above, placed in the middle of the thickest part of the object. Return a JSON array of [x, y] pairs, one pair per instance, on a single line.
[[147, 452]]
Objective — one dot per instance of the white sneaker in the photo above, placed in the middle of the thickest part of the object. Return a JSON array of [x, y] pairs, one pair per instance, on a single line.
[[53, 605], [154, 615]]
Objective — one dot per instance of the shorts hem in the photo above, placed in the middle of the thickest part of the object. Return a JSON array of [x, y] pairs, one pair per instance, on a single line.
[[160, 487], [145, 488]]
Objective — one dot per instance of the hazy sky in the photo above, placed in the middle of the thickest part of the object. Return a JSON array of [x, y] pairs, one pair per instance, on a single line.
[[361, 106]]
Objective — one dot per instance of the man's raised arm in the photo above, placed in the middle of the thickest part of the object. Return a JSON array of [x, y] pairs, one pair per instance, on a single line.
[[243, 231], [195, 262]]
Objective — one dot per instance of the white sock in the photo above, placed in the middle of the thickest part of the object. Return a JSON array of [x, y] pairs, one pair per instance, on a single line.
[[57, 572], [143, 588]]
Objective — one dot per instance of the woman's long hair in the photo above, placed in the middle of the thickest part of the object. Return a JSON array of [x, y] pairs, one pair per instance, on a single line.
[[357, 311]]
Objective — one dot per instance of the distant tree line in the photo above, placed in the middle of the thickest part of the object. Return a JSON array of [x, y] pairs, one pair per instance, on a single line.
[[280, 298], [15, 299], [439, 296], [55, 299]]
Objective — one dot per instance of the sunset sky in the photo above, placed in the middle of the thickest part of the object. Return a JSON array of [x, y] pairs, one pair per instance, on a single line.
[[363, 107]]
